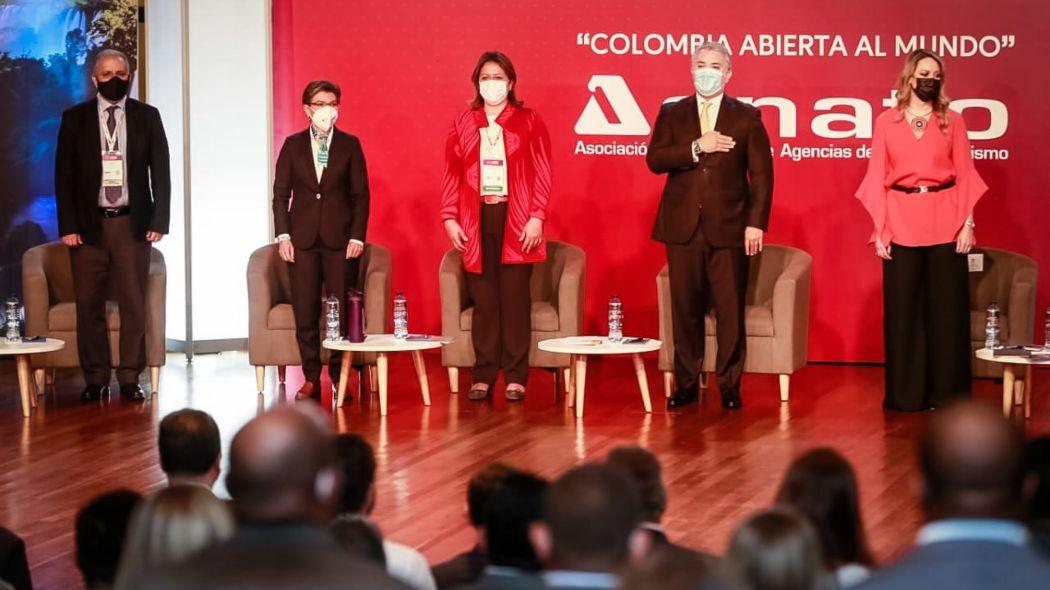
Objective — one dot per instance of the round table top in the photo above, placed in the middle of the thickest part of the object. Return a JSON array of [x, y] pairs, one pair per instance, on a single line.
[[986, 355], [17, 348], [384, 343], [596, 345]]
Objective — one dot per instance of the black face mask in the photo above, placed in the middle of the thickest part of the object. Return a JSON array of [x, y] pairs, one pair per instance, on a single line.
[[113, 89], [927, 89]]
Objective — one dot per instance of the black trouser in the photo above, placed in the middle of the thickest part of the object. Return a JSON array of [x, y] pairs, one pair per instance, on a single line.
[[501, 329], [926, 303], [117, 264], [310, 267], [698, 271]]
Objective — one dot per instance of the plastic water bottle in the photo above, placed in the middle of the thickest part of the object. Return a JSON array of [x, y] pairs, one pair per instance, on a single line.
[[615, 319], [1046, 332], [12, 323], [400, 316], [991, 327], [331, 319]]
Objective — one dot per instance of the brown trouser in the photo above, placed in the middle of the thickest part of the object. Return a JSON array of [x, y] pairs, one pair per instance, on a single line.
[[306, 273], [117, 264], [501, 328], [699, 272]]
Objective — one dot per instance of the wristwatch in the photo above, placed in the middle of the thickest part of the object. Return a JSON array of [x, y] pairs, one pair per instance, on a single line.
[[970, 223]]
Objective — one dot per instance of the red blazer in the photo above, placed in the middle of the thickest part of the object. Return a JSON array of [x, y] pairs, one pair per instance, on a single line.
[[528, 148]]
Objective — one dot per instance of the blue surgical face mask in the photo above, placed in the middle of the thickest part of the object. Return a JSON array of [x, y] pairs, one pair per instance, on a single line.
[[708, 81]]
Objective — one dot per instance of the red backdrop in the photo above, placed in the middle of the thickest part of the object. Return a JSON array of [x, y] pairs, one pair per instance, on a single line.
[[404, 68]]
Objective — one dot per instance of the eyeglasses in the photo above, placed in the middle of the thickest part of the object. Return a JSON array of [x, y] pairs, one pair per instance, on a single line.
[[318, 105]]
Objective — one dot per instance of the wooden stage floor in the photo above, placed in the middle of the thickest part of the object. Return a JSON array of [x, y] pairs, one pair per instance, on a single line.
[[720, 466]]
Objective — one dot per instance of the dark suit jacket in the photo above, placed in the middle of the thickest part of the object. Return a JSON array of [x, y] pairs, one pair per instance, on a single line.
[[328, 213], [78, 170], [14, 568], [275, 556], [660, 542], [462, 569], [964, 565], [508, 579], [735, 188]]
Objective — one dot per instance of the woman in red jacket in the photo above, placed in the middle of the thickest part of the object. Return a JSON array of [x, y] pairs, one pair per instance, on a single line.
[[494, 202]]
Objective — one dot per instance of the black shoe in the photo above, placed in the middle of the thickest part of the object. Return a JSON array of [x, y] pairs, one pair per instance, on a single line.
[[132, 392], [93, 393], [731, 399], [681, 398]]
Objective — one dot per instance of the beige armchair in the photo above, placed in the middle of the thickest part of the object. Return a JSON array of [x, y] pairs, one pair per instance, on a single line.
[[51, 310], [1010, 279], [271, 323], [557, 308], [776, 318]]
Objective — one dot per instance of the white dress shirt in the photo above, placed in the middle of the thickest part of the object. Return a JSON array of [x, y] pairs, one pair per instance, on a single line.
[[122, 142], [407, 565]]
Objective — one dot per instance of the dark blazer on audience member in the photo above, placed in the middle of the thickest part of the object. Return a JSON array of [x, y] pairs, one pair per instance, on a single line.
[[735, 188], [14, 568], [465, 568], [341, 212], [964, 565], [78, 171], [273, 556], [508, 579], [660, 542]]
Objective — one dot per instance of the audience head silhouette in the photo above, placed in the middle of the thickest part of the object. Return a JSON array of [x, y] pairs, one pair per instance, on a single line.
[[189, 447], [101, 528], [282, 468], [513, 506], [590, 522], [357, 467], [971, 462], [774, 550], [643, 468]]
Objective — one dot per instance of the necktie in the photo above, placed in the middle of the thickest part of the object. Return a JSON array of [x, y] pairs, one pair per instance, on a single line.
[[112, 192], [705, 118]]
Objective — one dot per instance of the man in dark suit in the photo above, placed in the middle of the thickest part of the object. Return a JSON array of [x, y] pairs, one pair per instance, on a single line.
[[284, 482], [643, 469], [320, 212], [113, 189], [712, 215], [974, 488], [14, 567]]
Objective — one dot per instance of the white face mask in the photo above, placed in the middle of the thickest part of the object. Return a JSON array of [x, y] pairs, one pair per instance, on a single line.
[[324, 118], [493, 91], [708, 81]]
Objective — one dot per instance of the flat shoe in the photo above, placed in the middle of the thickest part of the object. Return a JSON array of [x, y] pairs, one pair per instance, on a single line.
[[515, 395], [477, 394]]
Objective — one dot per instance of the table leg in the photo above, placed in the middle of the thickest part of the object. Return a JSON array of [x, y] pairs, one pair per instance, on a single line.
[[344, 377], [643, 381], [1008, 389], [1030, 387], [570, 383], [381, 364], [24, 387], [421, 374], [581, 383]]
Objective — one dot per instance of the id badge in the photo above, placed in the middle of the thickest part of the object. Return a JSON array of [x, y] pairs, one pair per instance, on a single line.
[[112, 169], [494, 176]]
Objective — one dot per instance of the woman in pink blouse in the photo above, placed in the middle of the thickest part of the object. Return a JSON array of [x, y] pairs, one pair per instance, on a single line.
[[920, 190]]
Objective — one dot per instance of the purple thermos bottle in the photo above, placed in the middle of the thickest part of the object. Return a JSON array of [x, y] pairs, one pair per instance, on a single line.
[[355, 316]]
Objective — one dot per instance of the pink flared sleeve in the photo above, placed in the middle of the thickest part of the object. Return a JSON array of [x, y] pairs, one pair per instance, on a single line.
[[872, 190], [968, 182]]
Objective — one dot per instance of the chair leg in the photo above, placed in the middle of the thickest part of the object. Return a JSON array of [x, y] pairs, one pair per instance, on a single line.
[[703, 380], [566, 376], [280, 373], [453, 379], [260, 378], [51, 377], [668, 383], [373, 378], [39, 380], [154, 380], [785, 387]]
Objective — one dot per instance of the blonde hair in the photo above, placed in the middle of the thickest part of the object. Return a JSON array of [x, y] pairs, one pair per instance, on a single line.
[[170, 526], [904, 91]]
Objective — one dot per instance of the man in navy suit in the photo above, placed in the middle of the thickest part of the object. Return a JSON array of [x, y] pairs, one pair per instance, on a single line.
[[973, 488]]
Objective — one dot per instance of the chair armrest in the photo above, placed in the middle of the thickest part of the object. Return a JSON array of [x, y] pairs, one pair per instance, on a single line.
[[453, 292], [262, 287], [791, 312], [156, 297], [377, 290], [34, 292], [569, 292], [1022, 305]]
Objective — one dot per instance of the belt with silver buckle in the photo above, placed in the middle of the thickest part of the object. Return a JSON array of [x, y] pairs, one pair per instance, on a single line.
[[108, 212], [911, 190], [493, 200]]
